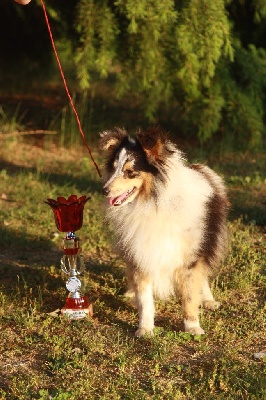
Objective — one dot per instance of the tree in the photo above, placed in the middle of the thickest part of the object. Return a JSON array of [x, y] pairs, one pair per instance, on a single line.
[[203, 59], [199, 63]]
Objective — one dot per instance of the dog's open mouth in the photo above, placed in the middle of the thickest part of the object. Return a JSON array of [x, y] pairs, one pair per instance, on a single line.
[[117, 201]]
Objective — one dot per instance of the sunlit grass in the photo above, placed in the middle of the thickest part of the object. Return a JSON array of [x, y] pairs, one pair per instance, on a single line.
[[46, 357]]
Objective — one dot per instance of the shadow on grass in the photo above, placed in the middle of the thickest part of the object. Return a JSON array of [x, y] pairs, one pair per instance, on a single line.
[[26, 268], [249, 213], [30, 274], [59, 179]]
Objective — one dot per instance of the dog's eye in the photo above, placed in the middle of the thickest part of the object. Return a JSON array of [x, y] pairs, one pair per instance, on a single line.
[[129, 173]]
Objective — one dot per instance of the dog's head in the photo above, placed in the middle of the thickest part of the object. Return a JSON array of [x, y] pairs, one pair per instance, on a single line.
[[132, 163]]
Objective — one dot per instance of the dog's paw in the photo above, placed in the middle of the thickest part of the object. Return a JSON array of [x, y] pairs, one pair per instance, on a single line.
[[143, 331], [196, 330], [211, 304], [193, 327]]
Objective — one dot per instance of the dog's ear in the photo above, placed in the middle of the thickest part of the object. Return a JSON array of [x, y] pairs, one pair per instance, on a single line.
[[152, 141], [109, 140]]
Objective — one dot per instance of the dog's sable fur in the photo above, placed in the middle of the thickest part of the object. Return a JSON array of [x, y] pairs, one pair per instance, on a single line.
[[170, 221]]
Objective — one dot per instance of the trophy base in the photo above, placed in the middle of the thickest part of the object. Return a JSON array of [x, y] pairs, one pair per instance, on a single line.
[[77, 308]]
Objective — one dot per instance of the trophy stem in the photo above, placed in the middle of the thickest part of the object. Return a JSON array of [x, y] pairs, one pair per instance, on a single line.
[[77, 305], [72, 261]]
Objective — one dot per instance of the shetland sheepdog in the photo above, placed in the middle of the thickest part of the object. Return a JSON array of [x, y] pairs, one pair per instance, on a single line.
[[169, 218]]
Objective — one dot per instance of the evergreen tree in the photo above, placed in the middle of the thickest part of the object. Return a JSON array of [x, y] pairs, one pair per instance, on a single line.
[[200, 63], [205, 59]]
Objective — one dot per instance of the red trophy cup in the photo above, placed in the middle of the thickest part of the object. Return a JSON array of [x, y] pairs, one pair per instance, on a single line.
[[68, 214]]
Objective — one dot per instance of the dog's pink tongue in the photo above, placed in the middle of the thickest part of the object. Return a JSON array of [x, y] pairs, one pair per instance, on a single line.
[[117, 200]]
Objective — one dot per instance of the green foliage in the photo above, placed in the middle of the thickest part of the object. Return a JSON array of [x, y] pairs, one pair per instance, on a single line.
[[203, 37], [98, 30], [245, 96], [192, 55]]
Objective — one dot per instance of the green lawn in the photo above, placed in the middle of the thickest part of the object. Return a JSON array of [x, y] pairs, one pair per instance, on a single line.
[[44, 356]]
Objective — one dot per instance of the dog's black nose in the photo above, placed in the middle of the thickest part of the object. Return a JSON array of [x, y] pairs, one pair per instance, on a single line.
[[105, 191]]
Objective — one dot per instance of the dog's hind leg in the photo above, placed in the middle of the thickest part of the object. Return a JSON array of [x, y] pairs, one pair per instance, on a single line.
[[208, 301], [190, 284], [143, 289]]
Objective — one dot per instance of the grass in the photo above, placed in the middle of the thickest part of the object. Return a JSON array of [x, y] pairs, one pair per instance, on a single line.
[[44, 356]]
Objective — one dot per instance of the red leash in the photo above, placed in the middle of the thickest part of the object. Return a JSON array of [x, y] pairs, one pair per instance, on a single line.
[[66, 87]]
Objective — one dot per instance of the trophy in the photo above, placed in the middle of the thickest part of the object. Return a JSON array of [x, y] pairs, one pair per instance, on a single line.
[[68, 214]]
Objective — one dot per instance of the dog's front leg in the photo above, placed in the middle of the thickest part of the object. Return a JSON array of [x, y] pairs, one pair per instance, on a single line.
[[191, 282], [144, 301]]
